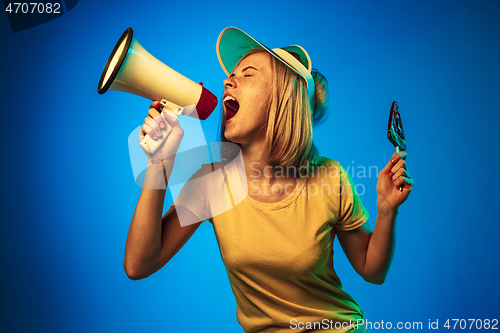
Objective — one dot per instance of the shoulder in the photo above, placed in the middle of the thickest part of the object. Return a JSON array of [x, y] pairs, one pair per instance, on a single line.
[[209, 168], [324, 167], [206, 179], [328, 162], [326, 172], [334, 167]]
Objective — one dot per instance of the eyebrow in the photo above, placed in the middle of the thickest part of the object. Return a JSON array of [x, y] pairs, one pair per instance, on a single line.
[[249, 67], [244, 69]]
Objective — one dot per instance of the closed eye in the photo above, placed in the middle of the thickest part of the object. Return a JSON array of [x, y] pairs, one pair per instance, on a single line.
[[247, 71], [244, 75]]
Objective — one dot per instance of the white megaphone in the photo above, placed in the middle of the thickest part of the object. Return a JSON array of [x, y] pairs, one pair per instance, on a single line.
[[130, 68]]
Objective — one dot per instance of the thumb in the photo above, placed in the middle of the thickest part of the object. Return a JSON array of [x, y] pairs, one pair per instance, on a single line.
[[172, 120]]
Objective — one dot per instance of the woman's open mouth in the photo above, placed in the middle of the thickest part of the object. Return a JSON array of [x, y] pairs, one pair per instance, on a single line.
[[232, 106]]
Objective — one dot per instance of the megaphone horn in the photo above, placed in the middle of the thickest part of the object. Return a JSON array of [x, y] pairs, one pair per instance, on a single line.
[[130, 68]]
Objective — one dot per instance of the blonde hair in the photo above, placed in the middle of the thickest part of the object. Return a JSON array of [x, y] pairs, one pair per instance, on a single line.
[[290, 118]]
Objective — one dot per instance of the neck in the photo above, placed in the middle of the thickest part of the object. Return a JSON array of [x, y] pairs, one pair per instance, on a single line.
[[267, 182], [259, 167], [257, 164]]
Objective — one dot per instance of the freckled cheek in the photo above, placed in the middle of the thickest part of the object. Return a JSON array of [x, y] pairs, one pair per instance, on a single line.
[[257, 106]]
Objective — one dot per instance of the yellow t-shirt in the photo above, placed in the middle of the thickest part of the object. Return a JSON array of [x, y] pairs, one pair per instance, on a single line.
[[279, 256]]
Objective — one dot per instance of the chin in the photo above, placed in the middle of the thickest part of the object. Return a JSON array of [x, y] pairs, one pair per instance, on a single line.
[[237, 136], [232, 137]]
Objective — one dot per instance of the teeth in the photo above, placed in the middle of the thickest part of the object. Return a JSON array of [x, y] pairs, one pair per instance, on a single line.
[[229, 98]]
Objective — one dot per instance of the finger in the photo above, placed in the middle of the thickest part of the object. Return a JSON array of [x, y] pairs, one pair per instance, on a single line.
[[400, 173], [404, 182], [390, 164], [149, 131], [153, 124], [396, 157], [156, 105], [155, 114], [141, 135], [400, 165], [152, 112]]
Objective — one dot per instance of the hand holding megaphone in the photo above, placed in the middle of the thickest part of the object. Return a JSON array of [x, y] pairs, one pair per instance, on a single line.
[[160, 126]]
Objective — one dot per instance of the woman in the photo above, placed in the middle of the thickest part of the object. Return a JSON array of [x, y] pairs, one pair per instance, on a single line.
[[275, 240]]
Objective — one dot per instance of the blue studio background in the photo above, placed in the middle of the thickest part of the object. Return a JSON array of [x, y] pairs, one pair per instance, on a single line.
[[68, 193]]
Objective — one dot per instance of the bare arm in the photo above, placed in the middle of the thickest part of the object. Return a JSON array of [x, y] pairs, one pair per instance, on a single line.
[[370, 253], [152, 239]]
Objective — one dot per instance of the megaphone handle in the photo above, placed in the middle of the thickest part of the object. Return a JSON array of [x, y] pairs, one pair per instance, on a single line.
[[149, 145]]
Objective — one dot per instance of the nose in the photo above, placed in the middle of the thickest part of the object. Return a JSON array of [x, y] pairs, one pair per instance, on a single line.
[[229, 83]]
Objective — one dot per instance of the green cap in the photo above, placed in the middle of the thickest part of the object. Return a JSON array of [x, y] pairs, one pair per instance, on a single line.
[[234, 43]]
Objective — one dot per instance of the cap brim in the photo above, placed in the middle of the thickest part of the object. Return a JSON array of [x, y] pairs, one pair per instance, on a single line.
[[232, 45]]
